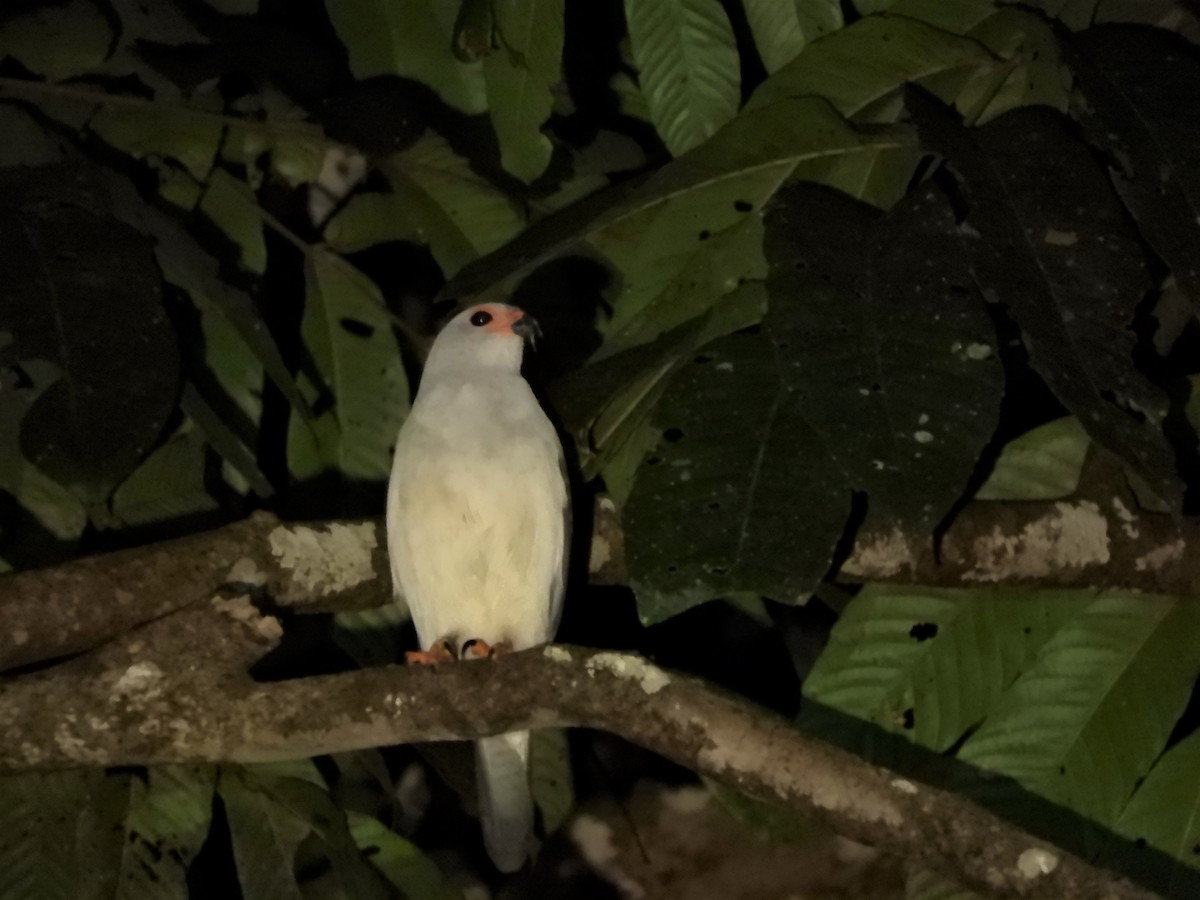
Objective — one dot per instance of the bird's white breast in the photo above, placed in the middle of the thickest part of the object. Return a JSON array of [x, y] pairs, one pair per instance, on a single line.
[[476, 514]]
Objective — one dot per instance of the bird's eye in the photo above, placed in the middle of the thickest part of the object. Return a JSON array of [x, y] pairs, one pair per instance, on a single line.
[[481, 318]]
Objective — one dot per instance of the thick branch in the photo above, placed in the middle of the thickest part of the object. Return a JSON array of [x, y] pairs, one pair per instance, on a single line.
[[1098, 543], [124, 707]]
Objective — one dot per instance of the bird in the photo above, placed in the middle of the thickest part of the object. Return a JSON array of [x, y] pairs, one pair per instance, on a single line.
[[478, 524]]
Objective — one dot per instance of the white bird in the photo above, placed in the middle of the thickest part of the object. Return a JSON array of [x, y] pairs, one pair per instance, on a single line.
[[477, 524]]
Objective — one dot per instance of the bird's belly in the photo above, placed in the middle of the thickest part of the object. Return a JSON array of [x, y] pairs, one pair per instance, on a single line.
[[482, 547]]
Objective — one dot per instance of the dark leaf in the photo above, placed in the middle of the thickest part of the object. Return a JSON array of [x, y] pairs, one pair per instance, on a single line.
[[1055, 247], [1142, 104], [83, 290]]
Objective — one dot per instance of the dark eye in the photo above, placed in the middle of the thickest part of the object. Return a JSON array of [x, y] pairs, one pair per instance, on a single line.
[[481, 318]]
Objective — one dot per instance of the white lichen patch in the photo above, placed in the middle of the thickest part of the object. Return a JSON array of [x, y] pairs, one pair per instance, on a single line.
[[881, 555], [327, 561], [923, 437], [651, 677], [141, 681], [724, 367], [1073, 536], [1127, 516], [1161, 556], [246, 571], [904, 786], [19, 637], [1035, 862], [557, 654]]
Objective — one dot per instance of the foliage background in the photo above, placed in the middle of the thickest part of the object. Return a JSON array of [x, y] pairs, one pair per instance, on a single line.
[[800, 264]]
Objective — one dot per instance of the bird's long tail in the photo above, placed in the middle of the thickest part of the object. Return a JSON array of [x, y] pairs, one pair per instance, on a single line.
[[505, 804]]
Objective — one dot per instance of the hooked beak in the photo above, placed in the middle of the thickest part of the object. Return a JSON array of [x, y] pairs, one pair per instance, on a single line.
[[527, 329]]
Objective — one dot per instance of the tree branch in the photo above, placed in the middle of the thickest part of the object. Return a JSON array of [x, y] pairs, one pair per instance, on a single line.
[[152, 698], [326, 566]]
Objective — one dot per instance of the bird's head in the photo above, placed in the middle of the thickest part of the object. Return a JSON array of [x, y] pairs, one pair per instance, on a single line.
[[488, 336]]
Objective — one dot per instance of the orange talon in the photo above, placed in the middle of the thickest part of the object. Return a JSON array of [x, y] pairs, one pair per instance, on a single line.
[[440, 652]]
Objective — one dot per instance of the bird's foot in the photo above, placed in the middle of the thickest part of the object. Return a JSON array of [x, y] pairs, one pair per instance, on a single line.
[[481, 649], [441, 651]]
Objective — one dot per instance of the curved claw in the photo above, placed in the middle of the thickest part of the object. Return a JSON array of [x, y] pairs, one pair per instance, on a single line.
[[481, 649], [442, 651]]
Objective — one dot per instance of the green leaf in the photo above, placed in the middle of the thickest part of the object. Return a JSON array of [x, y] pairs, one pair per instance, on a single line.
[[651, 231], [550, 776], [458, 212], [62, 835], [169, 484], [55, 507], [370, 219], [1165, 810], [782, 28], [412, 39], [59, 42], [265, 837], [230, 206], [154, 134], [168, 821], [240, 464], [859, 371], [348, 332], [863, 63], [1042, 464], [928, 663], [1083, 724], [520, 76], [687, 63], [404, 866]]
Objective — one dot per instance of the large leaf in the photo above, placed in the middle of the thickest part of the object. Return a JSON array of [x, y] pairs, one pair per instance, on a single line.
[[168, 820], [81, 289], [1142, 90], [1055, 246], [931, 664], [233, 209], [652, 231], [520, 76], [62, 835], [550, 779], [458, 212], [1085, 723], [782, 28], [863, 379], [687, 63], [55, 507], [155, 134], [58, 43], [858, 66], [1165, 810], [412, 39], [264, 836], [169, 484], [1042, 464], [349, 334], [402, 864]]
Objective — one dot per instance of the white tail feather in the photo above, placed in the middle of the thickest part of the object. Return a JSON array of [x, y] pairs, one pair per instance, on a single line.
[[505, 804]]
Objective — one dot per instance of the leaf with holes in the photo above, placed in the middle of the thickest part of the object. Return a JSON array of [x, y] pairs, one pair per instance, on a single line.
[[928, 664], [1052, 242], [1165, 810], [169, 815], [860, 380], [347, 330], [654, 231], [1085, 723], [688, 68]]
